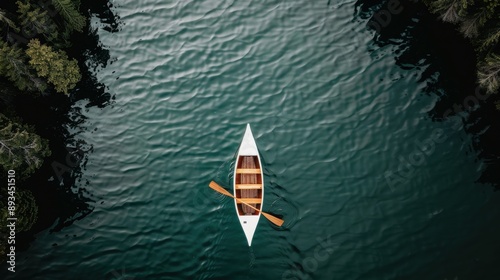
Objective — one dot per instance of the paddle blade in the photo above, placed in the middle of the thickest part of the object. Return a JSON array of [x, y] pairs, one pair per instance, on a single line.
[[277, 221], [218, 188]]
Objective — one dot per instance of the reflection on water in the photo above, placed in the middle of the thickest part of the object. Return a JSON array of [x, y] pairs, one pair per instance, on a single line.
[[440, 57], [60, 201]]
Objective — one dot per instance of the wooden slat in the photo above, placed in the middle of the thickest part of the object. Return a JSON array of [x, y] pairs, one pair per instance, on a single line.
[[251, 200], [248, 186], [248, 171]]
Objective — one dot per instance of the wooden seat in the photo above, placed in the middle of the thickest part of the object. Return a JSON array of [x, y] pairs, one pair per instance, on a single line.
[[250, 200], [248, 171], [248, 186]]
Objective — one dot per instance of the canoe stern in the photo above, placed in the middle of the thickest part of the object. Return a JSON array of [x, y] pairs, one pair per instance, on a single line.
[[249, 225]]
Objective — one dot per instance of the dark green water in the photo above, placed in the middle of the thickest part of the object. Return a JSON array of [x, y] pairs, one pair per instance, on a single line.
[[332, 115]]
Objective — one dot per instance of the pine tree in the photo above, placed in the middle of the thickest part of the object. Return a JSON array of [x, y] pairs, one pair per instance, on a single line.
[[7, 21], [15, 69], [477, 19], [69, 11], [20, 148], [35, 22], [449, 10], [491, 40], [59, 70], [470, 26], [26, 210], [488, 73]]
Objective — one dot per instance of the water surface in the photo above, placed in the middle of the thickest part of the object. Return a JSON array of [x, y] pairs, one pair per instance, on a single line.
[[332, 115]]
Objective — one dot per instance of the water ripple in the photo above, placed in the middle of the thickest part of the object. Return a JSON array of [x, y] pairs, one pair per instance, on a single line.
[[330, 115]]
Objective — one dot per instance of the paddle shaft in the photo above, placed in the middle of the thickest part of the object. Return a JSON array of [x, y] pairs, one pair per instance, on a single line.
[[218, 188], [230, 195]]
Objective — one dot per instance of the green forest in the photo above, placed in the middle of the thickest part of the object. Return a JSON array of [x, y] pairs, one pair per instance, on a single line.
[[480, 22], [35, 37]]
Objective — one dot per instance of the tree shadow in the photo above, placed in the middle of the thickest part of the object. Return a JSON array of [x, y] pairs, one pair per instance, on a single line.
[[447, 65], [57, 187]]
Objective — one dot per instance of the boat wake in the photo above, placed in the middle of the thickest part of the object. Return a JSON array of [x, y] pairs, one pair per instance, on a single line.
[[251, 256]]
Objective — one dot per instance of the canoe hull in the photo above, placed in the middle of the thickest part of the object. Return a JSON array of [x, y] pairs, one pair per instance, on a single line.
[[248, 185]]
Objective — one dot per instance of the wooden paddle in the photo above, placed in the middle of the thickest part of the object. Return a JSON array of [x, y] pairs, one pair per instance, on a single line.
[[271, 218]]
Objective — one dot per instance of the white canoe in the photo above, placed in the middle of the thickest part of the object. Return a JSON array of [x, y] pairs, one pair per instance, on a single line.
[[248, 184]]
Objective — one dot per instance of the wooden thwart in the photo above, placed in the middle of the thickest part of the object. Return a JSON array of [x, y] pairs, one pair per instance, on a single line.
[[248, 186], [249, 200], [248, 171], [275, 220]]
